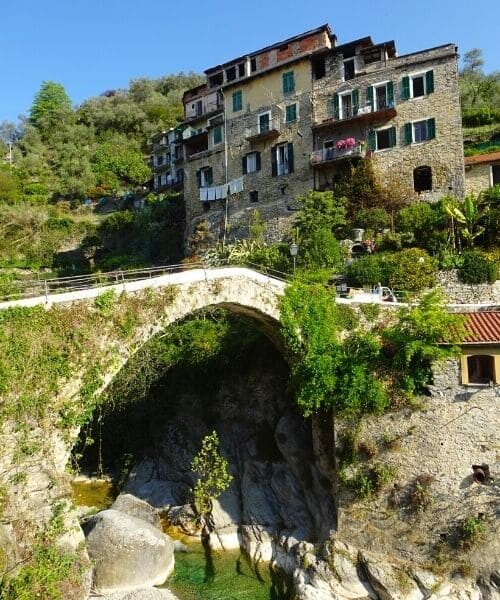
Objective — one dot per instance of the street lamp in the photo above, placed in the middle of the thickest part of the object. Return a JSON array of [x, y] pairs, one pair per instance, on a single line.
[[294, 250]]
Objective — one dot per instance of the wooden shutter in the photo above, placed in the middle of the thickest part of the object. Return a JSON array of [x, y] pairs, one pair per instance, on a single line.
[[355, 101], [369, 97], [198, 178], [244, 165], [408, 133], [257, 161], [209, 174], [392, 136], [405, 88], [372, 140], [274, 161], [335, 103], [390, 94], [429, 82], [290, 157], [431, 129]]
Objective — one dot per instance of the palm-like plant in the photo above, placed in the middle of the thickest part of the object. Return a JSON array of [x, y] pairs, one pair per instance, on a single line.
[[468, 214]]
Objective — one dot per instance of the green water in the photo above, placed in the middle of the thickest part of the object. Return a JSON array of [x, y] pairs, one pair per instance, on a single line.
[[203, 575], [93, 492]]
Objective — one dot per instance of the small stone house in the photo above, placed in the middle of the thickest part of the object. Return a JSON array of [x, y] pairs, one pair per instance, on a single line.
[[481, 172], [276, 122], [478, 366]]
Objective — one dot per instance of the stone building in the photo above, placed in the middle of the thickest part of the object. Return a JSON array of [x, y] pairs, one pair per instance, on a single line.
[[275, 123], [481, 172], [166, 161]]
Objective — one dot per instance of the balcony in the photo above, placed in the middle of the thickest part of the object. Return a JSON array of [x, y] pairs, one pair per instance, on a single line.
[[263, 131], [366, 114], [326, 156]]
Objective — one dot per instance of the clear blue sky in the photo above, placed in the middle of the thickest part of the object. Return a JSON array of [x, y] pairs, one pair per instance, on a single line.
[[93, 45]]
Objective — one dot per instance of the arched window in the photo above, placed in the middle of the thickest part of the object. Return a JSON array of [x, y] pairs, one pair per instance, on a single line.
[[480, 368], [422, 179]]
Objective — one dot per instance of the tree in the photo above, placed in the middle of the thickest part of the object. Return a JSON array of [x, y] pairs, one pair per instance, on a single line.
[[51, 105], [476, 88], [468, 214], [213, 476]]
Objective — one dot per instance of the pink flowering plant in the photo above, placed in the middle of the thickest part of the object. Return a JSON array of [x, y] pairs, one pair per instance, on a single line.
[[349, 142]]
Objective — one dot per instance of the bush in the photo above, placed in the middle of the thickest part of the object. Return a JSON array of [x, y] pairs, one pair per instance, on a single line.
[[475, 117], [413, 270], [477, 268], [369, 270]]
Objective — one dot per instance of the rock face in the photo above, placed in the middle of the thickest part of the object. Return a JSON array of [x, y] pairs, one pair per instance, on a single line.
[[127, 552]]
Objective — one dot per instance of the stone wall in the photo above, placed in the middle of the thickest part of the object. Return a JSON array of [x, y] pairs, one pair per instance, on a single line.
[[477, 178], [465, 293], [394, 166]]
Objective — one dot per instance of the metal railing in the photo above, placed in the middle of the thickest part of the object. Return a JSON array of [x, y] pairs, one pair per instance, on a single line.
[[264, 128], [34, 288], [327, 154]]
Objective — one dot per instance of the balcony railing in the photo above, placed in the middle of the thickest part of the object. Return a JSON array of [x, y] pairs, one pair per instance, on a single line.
[[382, 112], [326, 155], [264, 131]]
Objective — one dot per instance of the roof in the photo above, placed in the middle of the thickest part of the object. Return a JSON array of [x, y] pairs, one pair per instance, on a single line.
[[481, 327], [482, 158], [320, 29]]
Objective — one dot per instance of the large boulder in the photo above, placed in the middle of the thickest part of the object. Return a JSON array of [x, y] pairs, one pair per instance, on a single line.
[[135, 507], [128, 553]]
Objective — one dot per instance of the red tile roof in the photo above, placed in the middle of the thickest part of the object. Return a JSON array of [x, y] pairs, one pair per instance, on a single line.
[[482, 158], [481, 327]]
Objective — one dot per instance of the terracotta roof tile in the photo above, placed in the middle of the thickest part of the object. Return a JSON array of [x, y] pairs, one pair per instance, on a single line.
[[481, 327], [482, 158]]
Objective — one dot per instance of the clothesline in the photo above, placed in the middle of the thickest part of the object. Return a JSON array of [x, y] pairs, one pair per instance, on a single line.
[[221, 192]]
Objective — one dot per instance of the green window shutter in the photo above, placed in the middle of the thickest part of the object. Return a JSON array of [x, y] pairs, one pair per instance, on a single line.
[[369, 97], [288, 82], [372, 140], [237, 101], [274, 162], [392, 136], [257, 161], [390, 94], [217, 135], [429, 82], [198, 178], [210, 176], [355, 101], [408, 133], [290, 157], [244, 165], [291, 113], [335, 106], [405, 88], [431, 129]]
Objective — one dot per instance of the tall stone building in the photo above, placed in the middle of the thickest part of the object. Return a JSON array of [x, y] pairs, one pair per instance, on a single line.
[[275, 123]]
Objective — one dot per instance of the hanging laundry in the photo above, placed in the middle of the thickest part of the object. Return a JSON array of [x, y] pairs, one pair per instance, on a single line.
[[236, 185], [211, 193], [223, 191], [203, 194]]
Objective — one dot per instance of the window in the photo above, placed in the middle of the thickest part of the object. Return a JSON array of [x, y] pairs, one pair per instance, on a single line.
[[159, 160], [241, 70], [420, 131], [417, 86], [216, 79], [495, 174], [422, 179], [231, 74], [282, 159], [264, 122], [251, 163], [253, 64], [480, 369], [198, 108], [344, 106], [237, 101], [349, 69], [158, 181], [204, 177], [217, 135], [382, 139], [288, 82], [290, 113], [254, 196]]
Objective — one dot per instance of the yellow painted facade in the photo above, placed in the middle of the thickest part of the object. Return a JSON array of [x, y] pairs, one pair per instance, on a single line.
[[266, 90]]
